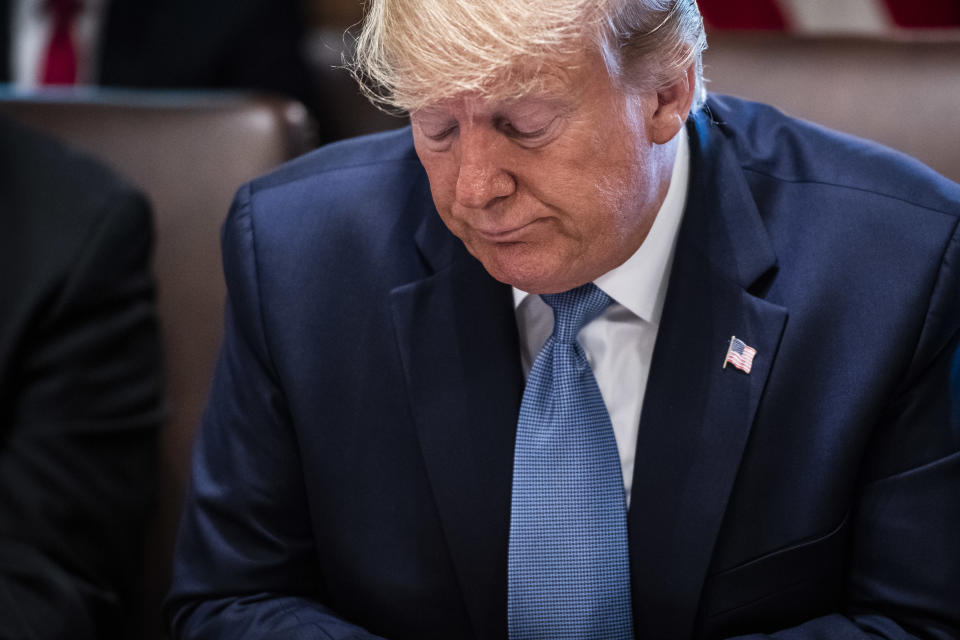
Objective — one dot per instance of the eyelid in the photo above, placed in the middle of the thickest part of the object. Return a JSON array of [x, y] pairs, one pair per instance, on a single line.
[[432, 126], [531, 134], [440, 135], [541, 132]]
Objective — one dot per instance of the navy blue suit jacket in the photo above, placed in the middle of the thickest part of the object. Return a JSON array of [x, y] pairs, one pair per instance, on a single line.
[[352, 477]]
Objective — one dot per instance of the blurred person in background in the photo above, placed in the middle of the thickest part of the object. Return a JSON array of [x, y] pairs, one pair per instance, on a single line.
[[157, 44], [584, 353], [80, 390]]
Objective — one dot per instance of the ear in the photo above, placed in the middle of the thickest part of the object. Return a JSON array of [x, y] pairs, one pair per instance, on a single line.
[[673, 106]]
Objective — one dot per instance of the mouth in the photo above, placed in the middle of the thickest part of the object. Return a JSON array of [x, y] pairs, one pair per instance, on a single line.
[[504, 234]]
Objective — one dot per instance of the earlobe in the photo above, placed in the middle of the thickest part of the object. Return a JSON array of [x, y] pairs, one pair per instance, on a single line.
[[673, 107]]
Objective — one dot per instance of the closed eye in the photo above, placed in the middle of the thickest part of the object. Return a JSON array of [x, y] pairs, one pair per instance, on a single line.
[[527, 134], [517, 133], [439, 135]]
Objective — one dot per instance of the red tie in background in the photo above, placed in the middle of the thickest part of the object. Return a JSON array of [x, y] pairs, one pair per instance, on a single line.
[[60, 66]]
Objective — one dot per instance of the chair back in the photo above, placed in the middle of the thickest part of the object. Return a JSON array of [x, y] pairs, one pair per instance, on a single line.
[[902, 93]]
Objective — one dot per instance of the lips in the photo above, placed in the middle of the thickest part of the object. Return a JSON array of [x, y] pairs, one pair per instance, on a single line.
[[504, 234]]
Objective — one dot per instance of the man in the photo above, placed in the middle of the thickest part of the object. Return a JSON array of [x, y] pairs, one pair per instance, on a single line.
[[579, 356], [80, 390]]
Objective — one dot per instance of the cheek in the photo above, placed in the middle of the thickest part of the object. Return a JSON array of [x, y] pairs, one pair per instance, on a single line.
[[619, 194], [443, 184], [626, 190]]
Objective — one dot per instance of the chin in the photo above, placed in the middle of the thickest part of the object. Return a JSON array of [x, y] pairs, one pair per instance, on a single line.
[[534, 277], [528, 268]]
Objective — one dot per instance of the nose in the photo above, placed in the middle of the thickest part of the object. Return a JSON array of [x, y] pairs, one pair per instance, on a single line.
[[482, 177]]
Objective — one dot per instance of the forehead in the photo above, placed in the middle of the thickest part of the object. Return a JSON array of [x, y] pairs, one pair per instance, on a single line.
[[547, 83]]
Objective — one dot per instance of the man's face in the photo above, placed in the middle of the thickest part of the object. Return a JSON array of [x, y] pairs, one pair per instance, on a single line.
[[551, 190]]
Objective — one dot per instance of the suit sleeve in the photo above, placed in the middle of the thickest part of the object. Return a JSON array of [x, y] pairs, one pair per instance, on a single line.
[[245, 564], [77, 460], [904, 564]]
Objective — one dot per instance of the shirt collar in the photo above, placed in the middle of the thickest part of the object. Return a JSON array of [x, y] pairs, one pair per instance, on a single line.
[[640, 283]]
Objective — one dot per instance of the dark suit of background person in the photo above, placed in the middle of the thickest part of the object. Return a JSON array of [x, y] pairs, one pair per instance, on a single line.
[[354, 465], [242, 44], [80, 396]]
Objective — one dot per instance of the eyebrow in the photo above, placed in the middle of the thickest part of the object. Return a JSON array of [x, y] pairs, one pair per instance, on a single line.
[[559, 103]]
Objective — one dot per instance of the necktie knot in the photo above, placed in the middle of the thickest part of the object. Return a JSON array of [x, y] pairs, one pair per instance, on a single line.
[[573, 309]]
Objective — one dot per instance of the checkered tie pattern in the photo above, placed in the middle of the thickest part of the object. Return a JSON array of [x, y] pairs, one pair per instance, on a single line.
[[568, 566]]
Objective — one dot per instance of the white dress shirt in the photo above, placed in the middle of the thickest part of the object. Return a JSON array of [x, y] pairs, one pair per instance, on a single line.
[[619, 343], [32, 28]]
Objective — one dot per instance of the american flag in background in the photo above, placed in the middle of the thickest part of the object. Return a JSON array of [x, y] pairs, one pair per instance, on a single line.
[[866, 17]]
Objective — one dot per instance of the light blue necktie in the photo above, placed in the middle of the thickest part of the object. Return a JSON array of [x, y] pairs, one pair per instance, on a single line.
[[569, 568]]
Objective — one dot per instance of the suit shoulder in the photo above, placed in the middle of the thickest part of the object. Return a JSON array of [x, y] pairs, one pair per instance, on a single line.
[[356, 196], [769, 143], [358, 187], [368, 154]]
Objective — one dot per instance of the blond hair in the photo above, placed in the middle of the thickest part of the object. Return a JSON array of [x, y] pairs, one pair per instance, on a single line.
[[411, 53]]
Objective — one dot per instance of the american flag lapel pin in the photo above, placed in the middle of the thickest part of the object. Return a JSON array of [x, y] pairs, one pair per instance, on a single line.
[[739, 354]]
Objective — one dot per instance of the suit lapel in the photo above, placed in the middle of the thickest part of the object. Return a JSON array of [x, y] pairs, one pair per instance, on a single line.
[[458, 342], [697, 416]]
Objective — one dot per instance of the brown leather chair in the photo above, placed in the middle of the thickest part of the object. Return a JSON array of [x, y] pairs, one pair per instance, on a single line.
[[189, 152], [902, 93]]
